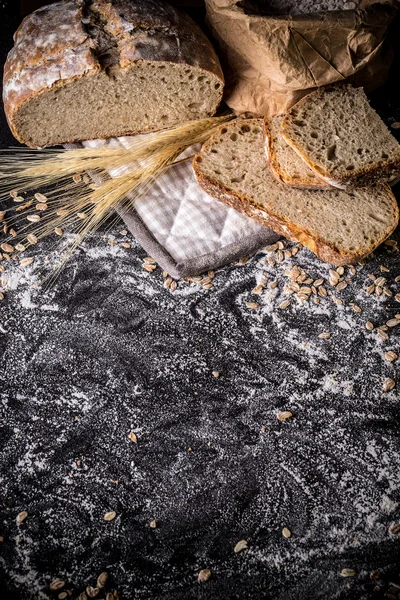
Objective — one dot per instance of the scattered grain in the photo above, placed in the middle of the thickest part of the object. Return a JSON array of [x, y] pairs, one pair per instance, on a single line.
[[356, 308], [347, 572], [149, 268], [174, 286], [242, 545], [25, 262], [324, 336], [167, 282], [40, 197], [110, 516], [58, 231], [21, 516], [341, 286], [382, 335], [41, 206], [63, 595], [391, 356], [125, 245], [258, 289], [92, 592], [2, 215], [57, 584], [369, 326], [204, 575], [395, 125], [392, 322], [153, 524], [273, 285], [102, 579], [388, 384], [394, 528], [284, 415], [387, 292], [19, 199], [216, 374], [380, 282], [319, 282], [286, 533], [285, 304], [132, 437], [252, 305], [7, 247], [33, 218], [322, 291], [32, 239], [370, 289]]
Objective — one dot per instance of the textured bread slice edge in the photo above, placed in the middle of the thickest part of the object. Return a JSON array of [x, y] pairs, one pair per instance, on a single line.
[[383, 171], [248, 206], [274, 165]]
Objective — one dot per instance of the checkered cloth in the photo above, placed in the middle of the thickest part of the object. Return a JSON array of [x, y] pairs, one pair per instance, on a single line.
[[185, 230]]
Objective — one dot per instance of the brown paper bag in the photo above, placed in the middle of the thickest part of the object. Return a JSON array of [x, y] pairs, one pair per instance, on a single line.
[[270, 62]]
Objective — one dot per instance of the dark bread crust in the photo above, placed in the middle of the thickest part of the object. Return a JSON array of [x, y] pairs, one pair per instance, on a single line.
[[53, 47], [248, 206], [274, 166], [381, 171]]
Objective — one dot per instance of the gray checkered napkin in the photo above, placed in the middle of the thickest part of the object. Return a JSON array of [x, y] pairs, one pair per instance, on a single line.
[[185, 230]]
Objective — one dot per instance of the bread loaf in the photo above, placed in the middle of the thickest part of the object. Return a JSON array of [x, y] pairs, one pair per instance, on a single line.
[[339, 227], [285, 164], [87, 69], [341, 138]]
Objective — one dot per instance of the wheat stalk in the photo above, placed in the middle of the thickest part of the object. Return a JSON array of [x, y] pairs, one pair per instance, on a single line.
[[75, 203]]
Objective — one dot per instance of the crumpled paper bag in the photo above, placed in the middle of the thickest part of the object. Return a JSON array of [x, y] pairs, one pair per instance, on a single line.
[[270, 62]]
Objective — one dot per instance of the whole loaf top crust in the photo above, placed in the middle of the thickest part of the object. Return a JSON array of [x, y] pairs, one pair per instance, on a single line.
[[75, 38]]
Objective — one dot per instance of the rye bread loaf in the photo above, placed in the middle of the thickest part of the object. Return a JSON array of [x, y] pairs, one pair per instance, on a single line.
[[86, 69], [341, 138], [339, 227], [285, 164]]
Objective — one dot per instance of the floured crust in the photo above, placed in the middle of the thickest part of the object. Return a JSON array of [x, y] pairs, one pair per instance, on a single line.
[[247, 205], [278, 173], [367, 175], [53, 46]]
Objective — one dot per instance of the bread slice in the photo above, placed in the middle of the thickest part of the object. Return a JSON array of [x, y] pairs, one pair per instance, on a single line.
[[285, 164], [341, 138], [98, 69], [340, 227]]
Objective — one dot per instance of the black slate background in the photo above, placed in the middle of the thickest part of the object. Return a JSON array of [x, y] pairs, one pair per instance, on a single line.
[[108, 350]]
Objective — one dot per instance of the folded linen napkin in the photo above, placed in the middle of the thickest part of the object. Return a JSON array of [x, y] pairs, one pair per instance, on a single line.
[[184, 229]]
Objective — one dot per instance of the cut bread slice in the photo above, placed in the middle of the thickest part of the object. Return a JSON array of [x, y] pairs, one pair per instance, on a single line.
[[339, 227], [285, 164], [341, 138]]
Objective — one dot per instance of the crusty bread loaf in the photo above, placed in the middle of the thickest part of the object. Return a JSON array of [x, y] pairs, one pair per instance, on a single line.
[[86, 69], [340, 227], [341, 138], [285, 164]]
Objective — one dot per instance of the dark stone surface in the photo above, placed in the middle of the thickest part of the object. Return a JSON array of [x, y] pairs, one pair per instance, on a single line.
[[108, 350]]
